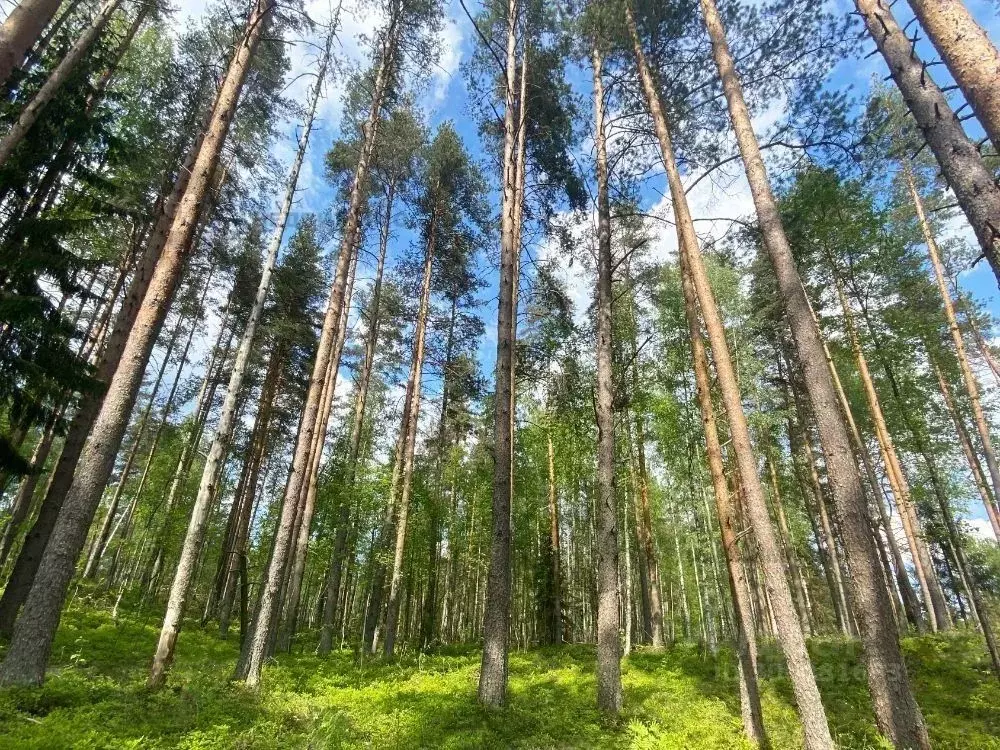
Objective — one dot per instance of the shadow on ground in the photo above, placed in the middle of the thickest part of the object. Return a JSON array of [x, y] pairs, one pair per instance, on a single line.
[[682, 698]]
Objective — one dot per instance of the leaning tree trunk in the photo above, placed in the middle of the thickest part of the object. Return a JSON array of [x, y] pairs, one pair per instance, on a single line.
[[139, 432], [972, 60], [810, 705], [35, 629], [255, 645], [910, 603], [29, 558], [33, 109], [409, 429], [968, 378], [21, 29], [496, 618], [194, 536], [182, 469], [746, 638], [961, 163], [609, 677], [897, 714]]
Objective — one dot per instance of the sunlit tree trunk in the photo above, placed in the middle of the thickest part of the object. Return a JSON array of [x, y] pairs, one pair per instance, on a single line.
[[496, 620], [961, 163], [972, 59], [968, 378], [409, 428], [609, 679], [909, 598], [810, 705], [897, 714], [35, 629], [28, 559], [357, 429], [746, 638], [255, 645], [969, 451], [195, 533], [33, 109], [930, 585]]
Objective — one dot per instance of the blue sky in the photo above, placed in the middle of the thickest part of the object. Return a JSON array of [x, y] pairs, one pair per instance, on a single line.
[[445, 97]]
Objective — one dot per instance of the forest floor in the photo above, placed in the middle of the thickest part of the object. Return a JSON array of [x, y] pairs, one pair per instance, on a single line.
[[95, 697]]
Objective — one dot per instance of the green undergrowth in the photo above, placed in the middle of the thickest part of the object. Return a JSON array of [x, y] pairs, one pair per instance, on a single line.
[[95, 697]]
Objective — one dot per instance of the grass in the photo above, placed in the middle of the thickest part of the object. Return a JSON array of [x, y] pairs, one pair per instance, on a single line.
[[95, 698]]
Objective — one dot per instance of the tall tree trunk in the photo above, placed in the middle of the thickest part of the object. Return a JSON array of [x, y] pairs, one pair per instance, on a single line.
[[23, 26], [255, 645], [231, 559], [971, 384], [788, 546], [90, 570], [298, 559], [194, 536], [897, 714], [35, 629], [930, 586], [972, 59], [978, 605], [910, 603], [609, 678], [203, 407], [33, 109], [496, 620], [810, 705], [357, 432], [961, 163], [746, 638], [409, 429], [970, 453]]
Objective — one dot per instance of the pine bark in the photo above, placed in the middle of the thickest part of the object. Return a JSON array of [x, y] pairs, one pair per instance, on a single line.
[[811, 711], [930, 585], [961, 163], [972, 60], [496, 619], [969, 451], [897, 714], [909, 598], [35, 629], [21, 29], [194, 536], [255, 645], [357, 431], [298, 560], [33, 109], [29, 558]]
